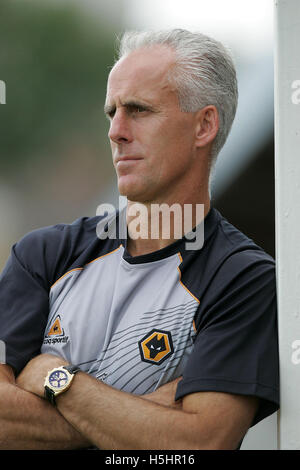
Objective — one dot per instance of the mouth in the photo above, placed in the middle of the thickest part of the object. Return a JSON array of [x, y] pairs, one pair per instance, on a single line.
[[125, 160]]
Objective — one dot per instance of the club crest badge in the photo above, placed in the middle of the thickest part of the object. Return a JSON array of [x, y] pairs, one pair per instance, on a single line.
[[156, 346]]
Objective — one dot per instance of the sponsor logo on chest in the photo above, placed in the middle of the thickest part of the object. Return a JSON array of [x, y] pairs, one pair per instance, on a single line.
[[56, 333]]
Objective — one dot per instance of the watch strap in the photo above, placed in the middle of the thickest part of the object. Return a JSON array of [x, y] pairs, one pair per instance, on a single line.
[[72, 368], [49, 395]]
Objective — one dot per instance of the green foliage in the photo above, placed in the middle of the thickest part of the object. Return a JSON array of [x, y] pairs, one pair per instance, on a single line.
[[55, 66]]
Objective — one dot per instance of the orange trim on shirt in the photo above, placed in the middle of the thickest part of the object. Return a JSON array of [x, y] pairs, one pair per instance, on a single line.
[[80, 269], [180, 257], [104, 255], [68, 272]]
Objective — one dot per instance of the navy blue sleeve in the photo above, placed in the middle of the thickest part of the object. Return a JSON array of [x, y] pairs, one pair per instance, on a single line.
[[236, 348], [23, 303], [35, 263]]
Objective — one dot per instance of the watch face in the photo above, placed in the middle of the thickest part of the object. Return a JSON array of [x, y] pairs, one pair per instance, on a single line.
[[58, 379]]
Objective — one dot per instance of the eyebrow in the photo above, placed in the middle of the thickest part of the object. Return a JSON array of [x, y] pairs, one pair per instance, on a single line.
[[109, 109]]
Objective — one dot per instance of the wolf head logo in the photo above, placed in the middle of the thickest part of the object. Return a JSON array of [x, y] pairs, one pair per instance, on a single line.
[[156, 346]]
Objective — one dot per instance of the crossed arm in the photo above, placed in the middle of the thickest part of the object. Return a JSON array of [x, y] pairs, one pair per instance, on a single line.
[[29, 422], [93, 413]]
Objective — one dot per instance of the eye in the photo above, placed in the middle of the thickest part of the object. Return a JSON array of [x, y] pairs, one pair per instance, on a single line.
[[109, 111], [136, 109], [111, 114]]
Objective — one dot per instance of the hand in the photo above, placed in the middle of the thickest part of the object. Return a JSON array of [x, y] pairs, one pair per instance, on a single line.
[[33, 375], [165, 395]]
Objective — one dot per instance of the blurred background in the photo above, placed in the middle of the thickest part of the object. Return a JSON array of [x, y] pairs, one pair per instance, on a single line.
[[55, 162]]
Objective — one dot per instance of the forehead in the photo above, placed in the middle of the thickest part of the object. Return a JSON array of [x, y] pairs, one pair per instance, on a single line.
[[141, 74]]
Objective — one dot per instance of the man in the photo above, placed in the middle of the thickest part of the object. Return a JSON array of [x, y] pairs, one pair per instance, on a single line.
[[165, 347]]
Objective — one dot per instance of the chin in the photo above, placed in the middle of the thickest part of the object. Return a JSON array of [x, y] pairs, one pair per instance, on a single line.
[[132, 196], [131, 190]]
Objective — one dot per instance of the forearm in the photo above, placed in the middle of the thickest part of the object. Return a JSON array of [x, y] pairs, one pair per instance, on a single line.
[[113, 419], [93, 408], [29, 422]]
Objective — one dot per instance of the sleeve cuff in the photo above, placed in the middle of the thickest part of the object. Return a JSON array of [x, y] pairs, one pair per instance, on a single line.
[[268, 395]]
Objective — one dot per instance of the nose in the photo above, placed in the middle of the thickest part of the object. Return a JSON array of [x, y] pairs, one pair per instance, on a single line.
[[120, 131]]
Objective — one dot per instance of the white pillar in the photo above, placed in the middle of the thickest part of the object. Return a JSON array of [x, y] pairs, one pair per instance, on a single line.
[[287, 184]]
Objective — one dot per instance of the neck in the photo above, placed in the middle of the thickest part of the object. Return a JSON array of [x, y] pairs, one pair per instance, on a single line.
[[153, 226]]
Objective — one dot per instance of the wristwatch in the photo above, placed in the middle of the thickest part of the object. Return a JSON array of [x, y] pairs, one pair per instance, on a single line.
[[58, 381]]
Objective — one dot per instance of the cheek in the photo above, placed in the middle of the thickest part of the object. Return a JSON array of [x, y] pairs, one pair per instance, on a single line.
[[175, 147], [166, 145]]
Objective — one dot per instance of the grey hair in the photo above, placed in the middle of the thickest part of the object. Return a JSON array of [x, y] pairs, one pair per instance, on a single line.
[[204, 73]]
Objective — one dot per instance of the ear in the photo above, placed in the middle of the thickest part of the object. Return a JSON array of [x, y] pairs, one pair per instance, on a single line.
[[207, 125]]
